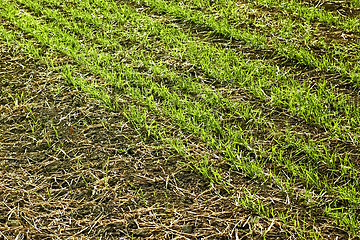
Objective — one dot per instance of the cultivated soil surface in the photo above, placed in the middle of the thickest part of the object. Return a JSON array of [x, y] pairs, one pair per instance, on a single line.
[[72, 169]]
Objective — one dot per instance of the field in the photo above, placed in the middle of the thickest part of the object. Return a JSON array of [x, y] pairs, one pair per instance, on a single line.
[[192, 119]]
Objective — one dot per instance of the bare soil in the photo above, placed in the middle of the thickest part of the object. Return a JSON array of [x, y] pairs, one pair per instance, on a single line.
[[72, 169]]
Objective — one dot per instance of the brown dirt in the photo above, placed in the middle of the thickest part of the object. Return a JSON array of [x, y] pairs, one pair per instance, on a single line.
[[95, 178], [91, 181]]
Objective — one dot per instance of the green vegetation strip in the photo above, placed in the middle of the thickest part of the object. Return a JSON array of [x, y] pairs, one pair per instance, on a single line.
[[313, 14], [293, 50], [355, 3], [191, 116]]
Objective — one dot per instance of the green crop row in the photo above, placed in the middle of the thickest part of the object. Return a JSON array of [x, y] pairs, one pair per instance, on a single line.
[[312, 14], [331, 60], [355, 3]]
